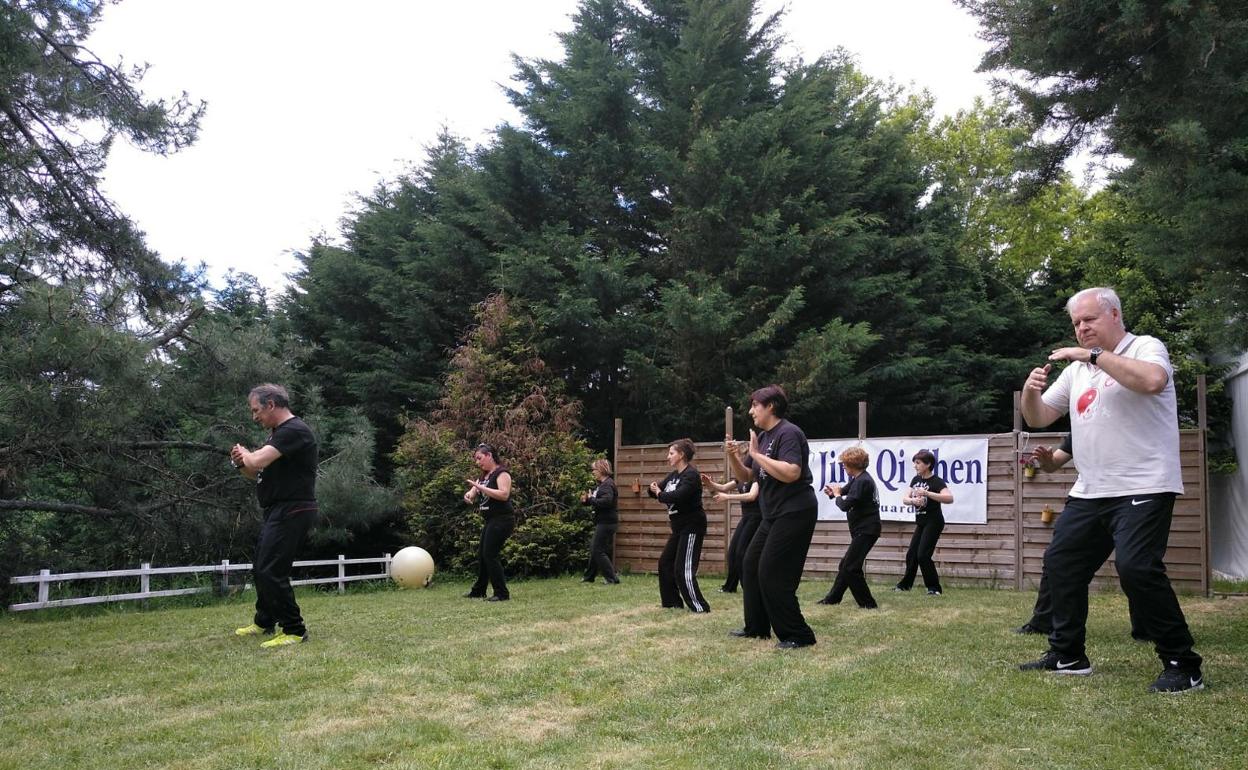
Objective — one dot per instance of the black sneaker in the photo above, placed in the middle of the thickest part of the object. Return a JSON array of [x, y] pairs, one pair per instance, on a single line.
[[933, 592], [900, 589], [1056, 664], [792, 644], [1028, 628], [1174, 680]]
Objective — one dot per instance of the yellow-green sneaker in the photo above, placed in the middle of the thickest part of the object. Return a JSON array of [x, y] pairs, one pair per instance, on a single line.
[[283, 639], [252, 630]]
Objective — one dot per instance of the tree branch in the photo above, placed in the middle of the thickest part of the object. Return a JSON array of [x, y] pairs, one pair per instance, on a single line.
[[177, 329], [195, 446], [54, 507]]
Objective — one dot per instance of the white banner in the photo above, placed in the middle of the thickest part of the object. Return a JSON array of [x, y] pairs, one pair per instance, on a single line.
[[961, 462]]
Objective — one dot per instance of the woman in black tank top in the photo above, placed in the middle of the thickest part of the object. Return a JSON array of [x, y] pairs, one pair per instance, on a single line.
[[493, 492]]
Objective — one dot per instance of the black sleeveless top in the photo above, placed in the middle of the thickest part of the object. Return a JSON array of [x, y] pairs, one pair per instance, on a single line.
[[488, 506]]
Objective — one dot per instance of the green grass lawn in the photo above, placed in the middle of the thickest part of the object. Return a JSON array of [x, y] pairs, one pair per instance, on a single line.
[[569, 675]]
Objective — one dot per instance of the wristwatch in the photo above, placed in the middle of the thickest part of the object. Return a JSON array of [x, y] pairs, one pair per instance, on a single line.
[[1093, 353]]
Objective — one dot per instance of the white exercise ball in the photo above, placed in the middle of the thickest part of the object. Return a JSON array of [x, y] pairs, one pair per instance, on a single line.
[[412, 567]]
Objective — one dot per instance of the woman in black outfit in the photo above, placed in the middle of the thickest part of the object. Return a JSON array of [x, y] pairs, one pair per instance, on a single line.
[[603, 501], [494, 489], [928, 493], [776, 556], [861, 502], [746, 494], [681, 492]]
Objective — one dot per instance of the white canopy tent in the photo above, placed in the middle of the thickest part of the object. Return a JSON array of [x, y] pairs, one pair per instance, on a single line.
[[1228, 495]]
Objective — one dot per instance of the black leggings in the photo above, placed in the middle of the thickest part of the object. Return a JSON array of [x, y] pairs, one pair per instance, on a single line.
[[600, 552], [493, 536], [736, 549], [927, 529], [850, 573]]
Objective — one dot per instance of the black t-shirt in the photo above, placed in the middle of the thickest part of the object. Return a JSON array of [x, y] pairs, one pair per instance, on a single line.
[[681, 492], [291, 477], [488, 506], [785, 442], [750, 507], [860, 499], [926, 506], [604, 502]]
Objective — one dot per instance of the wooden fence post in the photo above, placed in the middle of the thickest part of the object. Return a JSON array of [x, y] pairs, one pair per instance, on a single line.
[[43, 585], [862, 420], [1203, 417], [145, 577], [1016, 471], [618, 442], [342, 573], [727, 476]]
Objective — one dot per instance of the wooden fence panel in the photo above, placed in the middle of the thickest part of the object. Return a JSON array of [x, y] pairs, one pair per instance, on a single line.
[[1005, 552]]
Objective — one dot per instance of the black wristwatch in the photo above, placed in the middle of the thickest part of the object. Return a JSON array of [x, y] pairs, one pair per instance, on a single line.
[[1093, 354]]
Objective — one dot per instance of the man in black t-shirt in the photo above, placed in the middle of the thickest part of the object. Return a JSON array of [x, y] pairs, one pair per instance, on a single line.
[[284, 469]]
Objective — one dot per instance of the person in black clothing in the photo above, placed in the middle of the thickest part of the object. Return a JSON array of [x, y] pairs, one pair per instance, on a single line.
[[1041, 622], [681, 492], [927, 493], [746, 494], [776, 556], [494, 489], [604, 503], [861, 502], [1051, 460], [284, 469]]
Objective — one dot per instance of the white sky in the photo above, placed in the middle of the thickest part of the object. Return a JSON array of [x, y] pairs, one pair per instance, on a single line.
[[313, 102]]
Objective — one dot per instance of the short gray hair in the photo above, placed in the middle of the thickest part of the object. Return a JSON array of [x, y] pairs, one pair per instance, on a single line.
[[1106, 297], [268, 393]]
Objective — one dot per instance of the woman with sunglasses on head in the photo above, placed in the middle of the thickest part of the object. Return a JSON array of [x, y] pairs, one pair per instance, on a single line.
[[681, 492], [603, 501], [494, 491]]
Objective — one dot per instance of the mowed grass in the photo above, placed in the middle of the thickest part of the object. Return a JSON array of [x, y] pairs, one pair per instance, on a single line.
[[569, 675]]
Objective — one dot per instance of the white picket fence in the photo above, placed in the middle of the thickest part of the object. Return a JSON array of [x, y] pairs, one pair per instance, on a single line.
[[144, 573]]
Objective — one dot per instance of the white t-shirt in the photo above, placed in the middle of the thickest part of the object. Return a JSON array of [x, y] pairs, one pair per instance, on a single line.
[[1126, 443]]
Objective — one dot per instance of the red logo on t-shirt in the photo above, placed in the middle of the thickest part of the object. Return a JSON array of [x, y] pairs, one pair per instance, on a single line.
[[1085, 401]]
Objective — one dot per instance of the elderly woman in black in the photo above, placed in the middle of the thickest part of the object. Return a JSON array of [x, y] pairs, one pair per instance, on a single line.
[[861, 502], [494, 489], [604, 503], [681, 492]]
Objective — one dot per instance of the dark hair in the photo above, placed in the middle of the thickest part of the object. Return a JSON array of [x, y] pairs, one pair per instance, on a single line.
[[268, 393], [487, 449], [773, 396], [926, 457], [685, 447]]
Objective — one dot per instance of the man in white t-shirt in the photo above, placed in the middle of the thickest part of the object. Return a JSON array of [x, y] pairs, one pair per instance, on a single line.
[[1119, 391]]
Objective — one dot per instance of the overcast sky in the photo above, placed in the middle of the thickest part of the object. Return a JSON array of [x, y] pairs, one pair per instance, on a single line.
[[311, 103]]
